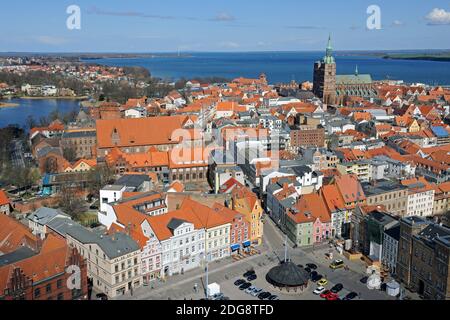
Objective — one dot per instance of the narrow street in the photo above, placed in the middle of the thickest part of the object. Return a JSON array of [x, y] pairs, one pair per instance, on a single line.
[[17, 154]]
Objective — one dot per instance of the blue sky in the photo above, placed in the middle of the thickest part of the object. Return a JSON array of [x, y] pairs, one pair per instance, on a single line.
[[222, 25]]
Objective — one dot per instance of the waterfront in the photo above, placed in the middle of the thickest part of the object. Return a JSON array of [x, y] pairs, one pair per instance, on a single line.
[[36, 108], [285, 66]]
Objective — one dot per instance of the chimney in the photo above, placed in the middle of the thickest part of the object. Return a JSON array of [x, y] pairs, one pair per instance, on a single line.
[[285, 186]]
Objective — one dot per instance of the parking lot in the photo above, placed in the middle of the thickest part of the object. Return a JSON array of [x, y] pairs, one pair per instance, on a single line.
[[226, 272], [349, 279]]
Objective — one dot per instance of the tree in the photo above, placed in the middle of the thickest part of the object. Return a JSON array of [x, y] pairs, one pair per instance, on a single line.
[[31, 122], [98, 178], [70, 202], [70, 154]]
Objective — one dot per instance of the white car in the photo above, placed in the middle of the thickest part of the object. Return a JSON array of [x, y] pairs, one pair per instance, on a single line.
[[319, 290], [256, 292], [250, 290]]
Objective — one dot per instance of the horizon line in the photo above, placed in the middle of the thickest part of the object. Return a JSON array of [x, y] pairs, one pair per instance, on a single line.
[[218, 51]]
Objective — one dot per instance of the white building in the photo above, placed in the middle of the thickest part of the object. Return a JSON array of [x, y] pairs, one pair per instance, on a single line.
[[137, 112], [147, 204], [39, 219], [182, 241], [397, 168], [110, 194], [420, 201]]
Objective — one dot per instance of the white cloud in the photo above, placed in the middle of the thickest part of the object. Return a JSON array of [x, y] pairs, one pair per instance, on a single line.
[[397, 23], [224, 16], [438, 17]]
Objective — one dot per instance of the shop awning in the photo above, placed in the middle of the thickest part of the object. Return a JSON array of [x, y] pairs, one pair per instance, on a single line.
[[247, 244], [235, 247]]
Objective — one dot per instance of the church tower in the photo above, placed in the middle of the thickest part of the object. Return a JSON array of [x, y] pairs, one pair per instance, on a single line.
[[324, 85]]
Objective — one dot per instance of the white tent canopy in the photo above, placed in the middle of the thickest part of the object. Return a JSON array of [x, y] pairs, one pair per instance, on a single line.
[[213, 288]]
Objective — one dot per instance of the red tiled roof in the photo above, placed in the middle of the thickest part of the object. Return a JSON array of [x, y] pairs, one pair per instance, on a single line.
[[3, 198], [14, 234], [138, 132]]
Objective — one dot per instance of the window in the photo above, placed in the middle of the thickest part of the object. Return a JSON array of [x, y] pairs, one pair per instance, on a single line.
[[37, 292], [48, 288], [60, 296], [59, 284]]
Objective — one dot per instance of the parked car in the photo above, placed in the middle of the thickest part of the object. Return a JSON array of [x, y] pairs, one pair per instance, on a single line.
[[300, 266], [322, 282], [264, 295], [256, 292], [364, 280], [332, 297], [218, 296], [319, 290], [311, 266], [307, 269], [325, 294], [336, 264], [249, 273], [273, 297], [101, 296], [237, 283], [313, 274], [316, 278], [252, 277], [350, 296], [245, 286], [338, 287], [250, 289]]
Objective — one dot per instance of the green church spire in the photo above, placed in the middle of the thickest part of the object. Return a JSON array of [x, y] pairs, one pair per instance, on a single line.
[[328, 59]]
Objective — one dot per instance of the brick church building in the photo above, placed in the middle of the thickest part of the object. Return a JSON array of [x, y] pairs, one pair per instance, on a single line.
[[334, 89]]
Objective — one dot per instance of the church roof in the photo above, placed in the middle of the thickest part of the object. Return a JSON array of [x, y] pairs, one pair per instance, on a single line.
[[353, 79]]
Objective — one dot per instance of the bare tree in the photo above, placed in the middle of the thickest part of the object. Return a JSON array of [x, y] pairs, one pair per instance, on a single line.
[[70, 153], [70, 202]]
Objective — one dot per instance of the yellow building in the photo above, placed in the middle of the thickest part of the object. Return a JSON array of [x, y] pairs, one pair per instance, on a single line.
[[81, 165], [359, 168], [247, 203], [413, 126]]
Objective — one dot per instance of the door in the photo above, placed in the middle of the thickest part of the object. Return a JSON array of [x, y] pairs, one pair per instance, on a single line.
[[421, 287]]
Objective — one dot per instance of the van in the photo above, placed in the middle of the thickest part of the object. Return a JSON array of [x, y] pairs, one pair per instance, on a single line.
[[337, 264]]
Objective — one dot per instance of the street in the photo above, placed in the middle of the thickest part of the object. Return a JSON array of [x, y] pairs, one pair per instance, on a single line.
[[227, 271], [17, 154]]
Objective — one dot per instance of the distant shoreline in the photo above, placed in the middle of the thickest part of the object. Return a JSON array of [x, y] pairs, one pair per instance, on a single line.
[[420, 57], [55, 98]]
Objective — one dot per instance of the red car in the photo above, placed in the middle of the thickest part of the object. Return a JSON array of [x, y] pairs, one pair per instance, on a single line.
[[332, 297], [325, 294]]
